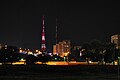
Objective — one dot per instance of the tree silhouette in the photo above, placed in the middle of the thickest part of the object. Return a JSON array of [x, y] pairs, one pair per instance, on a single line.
[[31, 59], [9, 54], [43, 58], [111, 53]]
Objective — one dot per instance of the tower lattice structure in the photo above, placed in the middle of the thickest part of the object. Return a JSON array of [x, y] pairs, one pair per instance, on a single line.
[[43, 45]]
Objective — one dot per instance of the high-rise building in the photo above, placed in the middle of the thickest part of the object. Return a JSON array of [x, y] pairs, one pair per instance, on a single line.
[[43, 46], [116, 40], [63, 48], [54, 49]]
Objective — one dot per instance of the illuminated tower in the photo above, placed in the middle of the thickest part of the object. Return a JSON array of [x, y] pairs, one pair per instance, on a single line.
[[43, 46]]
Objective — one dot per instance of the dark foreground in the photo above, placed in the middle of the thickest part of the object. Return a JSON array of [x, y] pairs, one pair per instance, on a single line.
[[45, 72]]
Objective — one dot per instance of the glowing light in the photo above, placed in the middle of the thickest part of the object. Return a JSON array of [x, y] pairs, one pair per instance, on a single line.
[[6, 58], [55, 58], [66, 54], [80, 53], [23, 52], [64, 58], [57, 63], [116, 62], [90, 61], [118, 57], [83, 49], [36, 50], [35, 54], [20, 51], [43, 37], [5, 45], [22, 60], [30, 52], [38, 62], [18, 63], [39, 52], [50, 54]]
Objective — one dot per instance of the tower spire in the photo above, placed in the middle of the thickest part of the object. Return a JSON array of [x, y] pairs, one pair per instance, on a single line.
[[56, 38], [43, 46], [56, 31]]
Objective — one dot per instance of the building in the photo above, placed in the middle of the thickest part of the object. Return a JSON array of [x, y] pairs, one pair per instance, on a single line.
[[62, 48], [116, 40], [0, 46], [54, 50]]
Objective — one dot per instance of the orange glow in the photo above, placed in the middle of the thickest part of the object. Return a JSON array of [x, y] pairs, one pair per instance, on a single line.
[[18, 63], [36, 51], [21, 51]]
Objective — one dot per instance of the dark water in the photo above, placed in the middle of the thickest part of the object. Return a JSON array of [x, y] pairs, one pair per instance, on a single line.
[[44, 72]]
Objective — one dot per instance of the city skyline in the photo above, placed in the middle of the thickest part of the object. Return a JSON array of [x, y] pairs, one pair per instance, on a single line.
[[21, 22]]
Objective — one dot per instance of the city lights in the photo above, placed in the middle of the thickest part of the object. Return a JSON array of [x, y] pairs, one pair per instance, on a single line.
[[59, 40]]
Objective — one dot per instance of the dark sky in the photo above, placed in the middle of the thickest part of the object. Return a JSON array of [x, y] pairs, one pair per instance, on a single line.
[[83, 21]]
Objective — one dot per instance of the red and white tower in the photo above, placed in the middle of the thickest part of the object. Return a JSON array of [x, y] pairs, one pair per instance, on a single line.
[[43, 46]]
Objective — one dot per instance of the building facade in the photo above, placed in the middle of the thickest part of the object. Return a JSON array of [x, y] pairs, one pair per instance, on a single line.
[[0, 46], [116, 40], [62, 48]]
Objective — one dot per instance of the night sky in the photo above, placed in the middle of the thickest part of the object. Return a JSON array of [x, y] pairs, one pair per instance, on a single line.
[[83, 21]]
